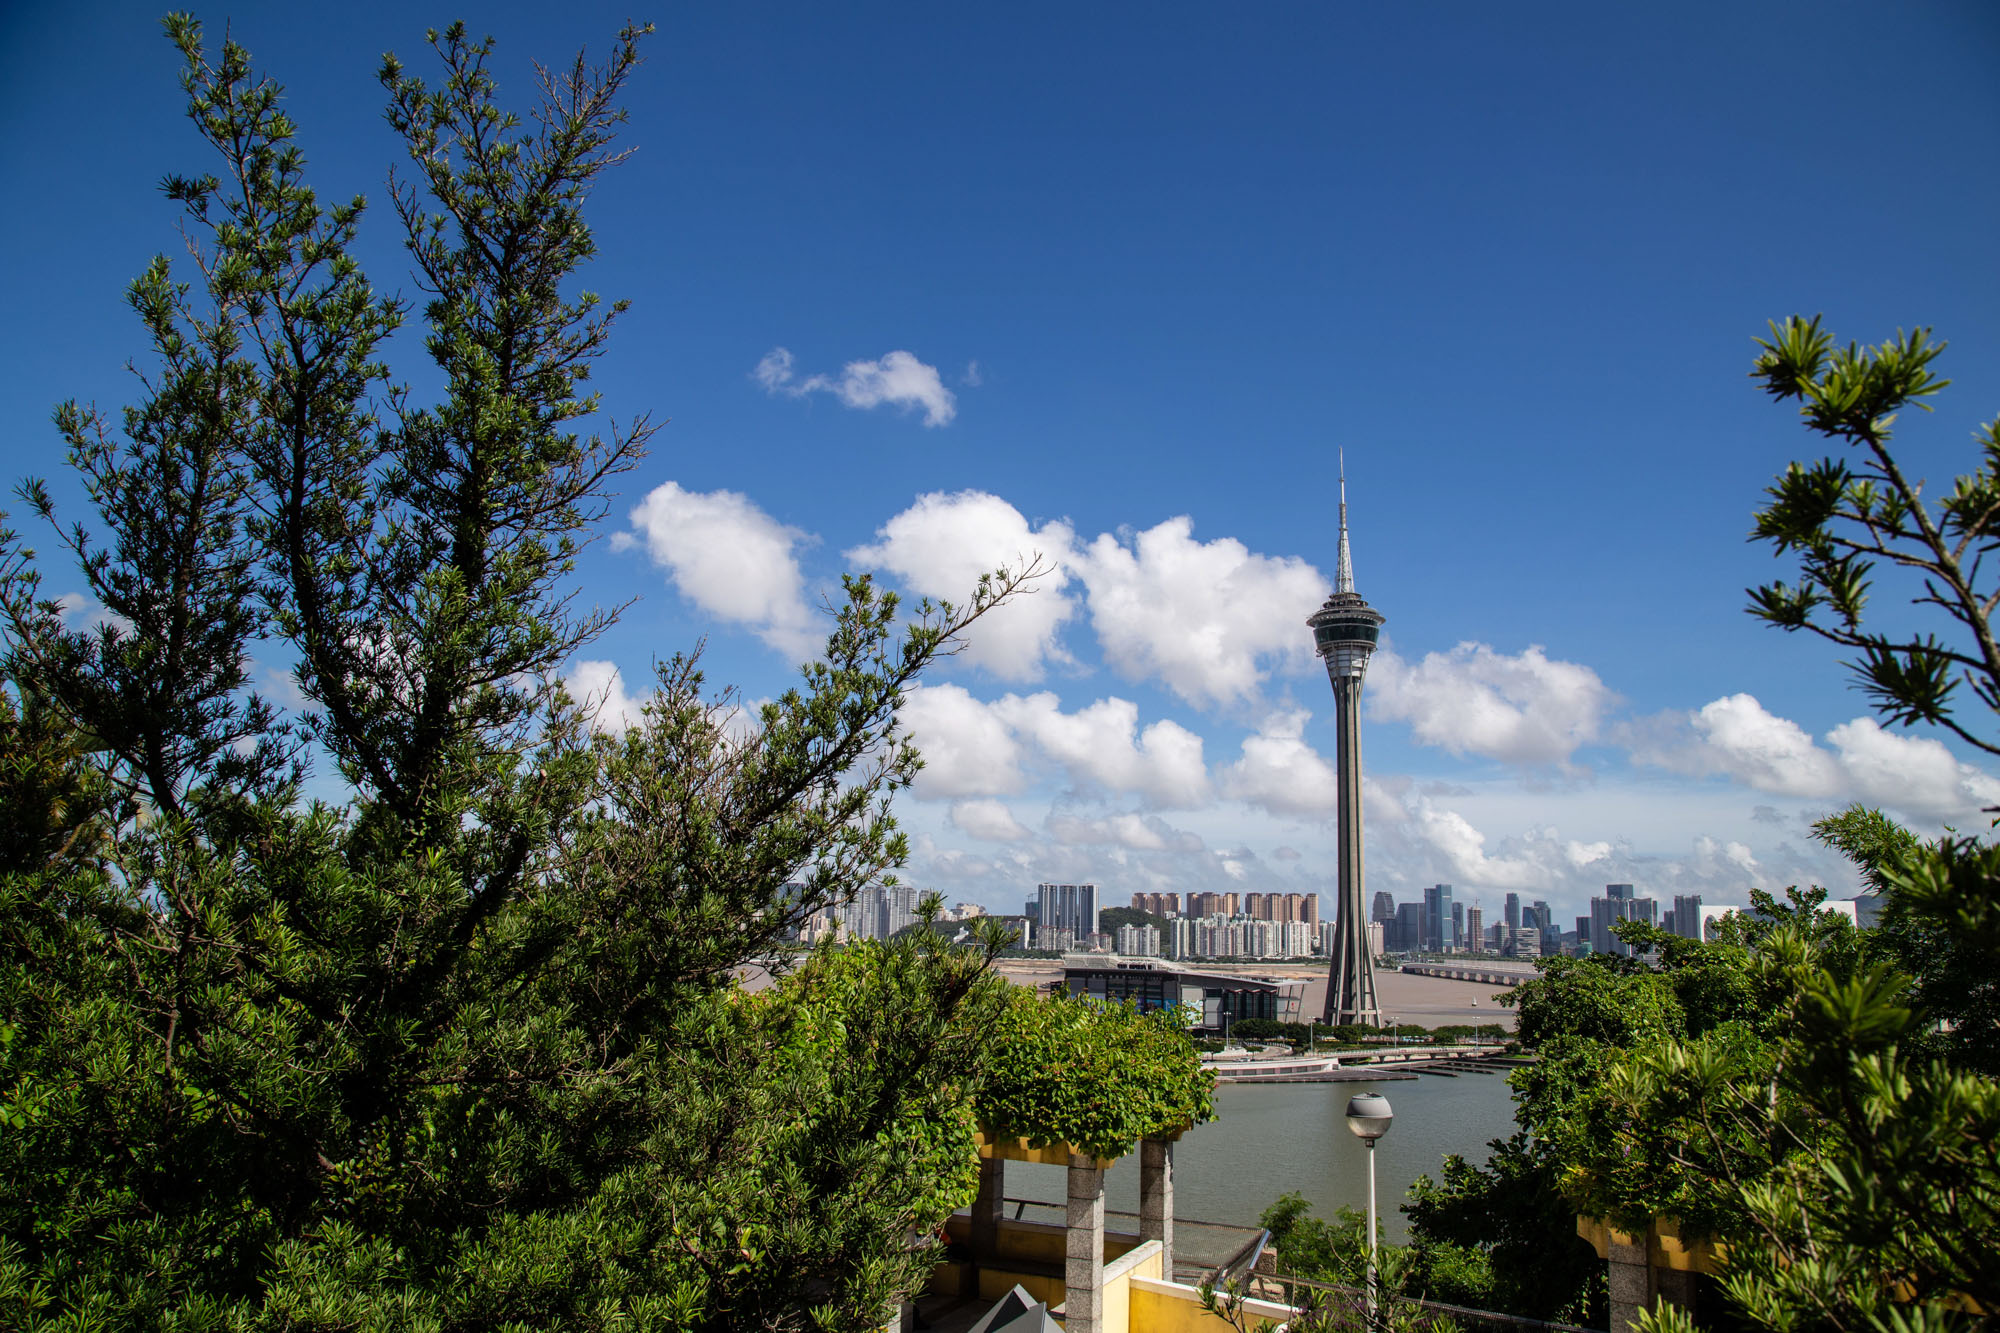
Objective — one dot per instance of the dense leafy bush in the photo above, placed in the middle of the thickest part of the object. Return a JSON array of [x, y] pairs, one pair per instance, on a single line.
[[1099, 1077]]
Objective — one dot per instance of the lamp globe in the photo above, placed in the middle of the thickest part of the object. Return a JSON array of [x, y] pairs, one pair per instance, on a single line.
[[1368, 1115]]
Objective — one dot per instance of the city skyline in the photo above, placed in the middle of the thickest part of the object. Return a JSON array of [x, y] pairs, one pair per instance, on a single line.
[[925, 294]]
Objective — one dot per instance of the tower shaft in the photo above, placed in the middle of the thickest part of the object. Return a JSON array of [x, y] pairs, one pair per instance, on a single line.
[[1350, 987]]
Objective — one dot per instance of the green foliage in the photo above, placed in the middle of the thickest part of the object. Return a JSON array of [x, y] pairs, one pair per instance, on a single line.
[[1832, 1116], [465, 1050], [1776, 1097], [1110, 918], [1503, 1237], [55, 805], [1870, 839], [1068, 1069], [1450, 1034], [1841, 522], [1335, 1251], [1941, 928], [1601, 998], [1842, 1173], [1883, 1189], [1579, 1146], [1268, 1029]]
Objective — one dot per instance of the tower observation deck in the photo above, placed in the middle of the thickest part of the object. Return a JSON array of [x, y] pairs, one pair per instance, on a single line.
[[1345, 630]]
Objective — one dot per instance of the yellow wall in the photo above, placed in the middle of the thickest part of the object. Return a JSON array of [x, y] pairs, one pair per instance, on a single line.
[[1033, 1255], [997, 1282], [1147, 1260], [1171, 1307], [1665, 1246], [1037, 1242]]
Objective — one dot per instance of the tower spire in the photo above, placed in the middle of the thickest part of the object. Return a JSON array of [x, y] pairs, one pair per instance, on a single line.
[[1343, 578]]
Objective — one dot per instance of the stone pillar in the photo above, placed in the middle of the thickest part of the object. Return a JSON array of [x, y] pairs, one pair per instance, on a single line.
[[989, 1206], [1156, 1196], [1676, 1287], [1083, 1268], [1630, 1279]]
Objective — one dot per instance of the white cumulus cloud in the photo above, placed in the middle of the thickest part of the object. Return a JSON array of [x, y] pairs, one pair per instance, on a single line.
[[86, 614], [1525, 708], [1738, 738], [729, 558], [897, 378], [600, 688], [967, 750], [1914, 773], [1205, 618], [939, 547], [988, 820], [1281, 773], [975, 748], [1208, 619], [1539, 860], [1102, 744], [1140, 833]]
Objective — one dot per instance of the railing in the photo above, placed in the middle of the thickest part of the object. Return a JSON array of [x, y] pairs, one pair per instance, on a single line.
[[1220, 1252], [1244, 1261], [1198, 1246], [1285, 1289]]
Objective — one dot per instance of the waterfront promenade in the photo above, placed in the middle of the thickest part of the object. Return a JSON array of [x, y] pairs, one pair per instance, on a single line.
[[1426, 1001]]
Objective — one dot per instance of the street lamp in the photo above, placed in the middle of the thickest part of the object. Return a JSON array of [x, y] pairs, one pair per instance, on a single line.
[[1368, 1117]]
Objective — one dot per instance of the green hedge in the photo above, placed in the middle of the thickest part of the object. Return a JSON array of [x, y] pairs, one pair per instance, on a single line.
[[1098, 1077]]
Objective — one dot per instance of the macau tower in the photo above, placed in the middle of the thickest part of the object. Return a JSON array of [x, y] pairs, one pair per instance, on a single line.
[[1344, 633]]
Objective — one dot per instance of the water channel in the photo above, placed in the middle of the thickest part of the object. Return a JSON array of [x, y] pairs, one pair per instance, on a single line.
[[1277, 1137]]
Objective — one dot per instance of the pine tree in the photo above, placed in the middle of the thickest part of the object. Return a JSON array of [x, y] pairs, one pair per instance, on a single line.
[[465, 1050]]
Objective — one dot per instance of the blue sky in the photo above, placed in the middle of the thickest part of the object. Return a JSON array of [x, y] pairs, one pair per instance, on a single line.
[[1115, 283]]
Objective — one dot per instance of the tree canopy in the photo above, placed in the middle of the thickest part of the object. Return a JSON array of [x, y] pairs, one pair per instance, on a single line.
[[465, 1048], [1817, 1100]]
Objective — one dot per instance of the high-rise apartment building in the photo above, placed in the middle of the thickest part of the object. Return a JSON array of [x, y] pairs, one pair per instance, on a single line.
[[877, 912], [904, 900], [1439, 920], [1687, 915], [1407, 930], [1619, 903], [1159, 904], [1214, 904], [1067, 908], [1475, 926], [1282, 907], [1137, 941]]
